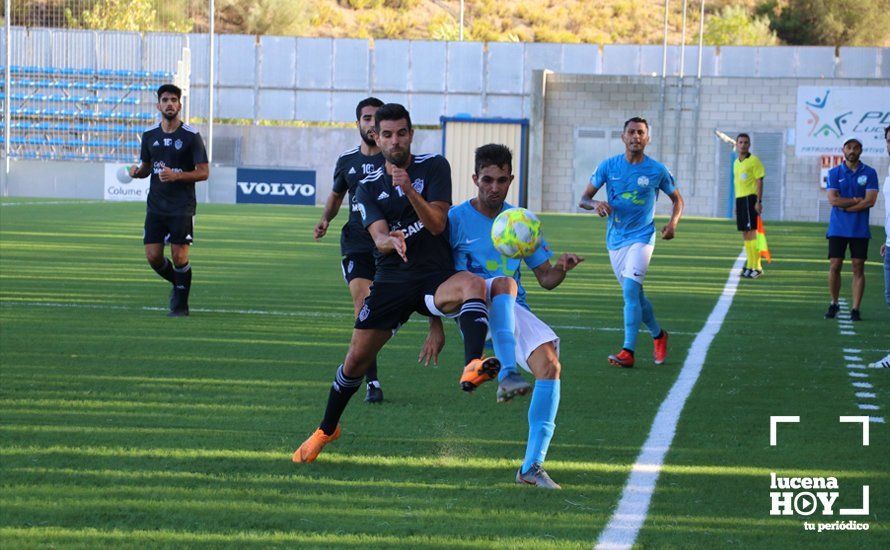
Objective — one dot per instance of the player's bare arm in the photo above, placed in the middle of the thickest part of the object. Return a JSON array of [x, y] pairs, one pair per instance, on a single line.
[[871, 197], [434, 343], [388, 241], [759, 205], [601, 208], [669, 230], [331, 208], [141, 171], [200, 173], [551, 276], [434, 215], [835, 199]]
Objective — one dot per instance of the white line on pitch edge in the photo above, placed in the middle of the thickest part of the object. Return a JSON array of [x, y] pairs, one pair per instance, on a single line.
[[848, 333], [857, 374], [629, 516], [852, 350], [868, 407], [865, 395], [878, 419], [863, 385], [856, 366], [852, 358]]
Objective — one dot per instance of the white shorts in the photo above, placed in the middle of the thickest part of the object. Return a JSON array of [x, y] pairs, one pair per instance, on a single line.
[[631, 261], [530, 332]]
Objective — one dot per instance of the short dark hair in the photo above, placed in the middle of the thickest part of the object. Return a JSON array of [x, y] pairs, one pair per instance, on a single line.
[[367, 102], [743, 135], [886, 131], [391, 111], [494, 154], [169, 89], [639, 119]]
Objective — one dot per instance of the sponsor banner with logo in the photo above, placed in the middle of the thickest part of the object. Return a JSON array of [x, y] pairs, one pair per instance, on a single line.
[[275, 186], [115, 190], [829, 115]]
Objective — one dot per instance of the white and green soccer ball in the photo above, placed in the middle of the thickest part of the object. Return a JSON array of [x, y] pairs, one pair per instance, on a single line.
[[516, 233]]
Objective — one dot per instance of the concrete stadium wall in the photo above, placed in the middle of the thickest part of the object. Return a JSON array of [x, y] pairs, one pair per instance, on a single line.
[[311, 148], [321, 79], [683, 139]]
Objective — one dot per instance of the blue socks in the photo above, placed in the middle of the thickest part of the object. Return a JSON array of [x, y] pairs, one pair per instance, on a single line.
[[649, 315], [633, 311], [503, 325], [541, 421]]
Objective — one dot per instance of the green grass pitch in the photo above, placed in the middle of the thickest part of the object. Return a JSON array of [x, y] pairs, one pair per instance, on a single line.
[[121, 427]]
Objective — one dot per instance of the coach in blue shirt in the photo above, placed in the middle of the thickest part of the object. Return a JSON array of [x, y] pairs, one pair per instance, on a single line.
[[852, 191]]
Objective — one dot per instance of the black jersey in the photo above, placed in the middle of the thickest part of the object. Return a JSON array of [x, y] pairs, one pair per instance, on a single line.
[[181, 151], [378, 199], [352, 167]]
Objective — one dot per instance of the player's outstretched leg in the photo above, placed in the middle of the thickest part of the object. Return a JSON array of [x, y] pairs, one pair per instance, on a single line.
[[542, 410], [465, 292], [359, 289], [633, 313], [659, 336], [503, 292], [362, 350]]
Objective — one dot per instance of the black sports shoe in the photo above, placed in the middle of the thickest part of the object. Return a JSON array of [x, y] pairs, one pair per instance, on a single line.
[[745, 273], [855, 315], [755, 274], [374, 394], [832, 311]]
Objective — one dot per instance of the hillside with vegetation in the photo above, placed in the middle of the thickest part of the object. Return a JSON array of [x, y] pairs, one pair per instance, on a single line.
[[727, 22]]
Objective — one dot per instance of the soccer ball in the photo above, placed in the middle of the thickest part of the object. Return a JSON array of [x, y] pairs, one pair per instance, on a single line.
[[516, 233]]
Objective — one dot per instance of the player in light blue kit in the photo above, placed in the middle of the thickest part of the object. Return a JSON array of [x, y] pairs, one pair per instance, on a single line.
[[632, 182], [517, 334]]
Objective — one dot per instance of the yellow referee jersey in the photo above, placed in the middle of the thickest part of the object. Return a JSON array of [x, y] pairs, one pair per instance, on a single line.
[[745, 175]]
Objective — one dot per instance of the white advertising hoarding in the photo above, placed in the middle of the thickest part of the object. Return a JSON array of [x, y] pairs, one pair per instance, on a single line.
[[829, 115], [115, 190]]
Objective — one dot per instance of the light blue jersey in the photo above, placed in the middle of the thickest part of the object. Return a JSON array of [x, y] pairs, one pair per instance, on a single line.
[[632, 190], [470, 235]]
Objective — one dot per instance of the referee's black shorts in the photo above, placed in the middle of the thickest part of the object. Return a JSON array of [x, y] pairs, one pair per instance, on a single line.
[[746, 213], [390, 304]]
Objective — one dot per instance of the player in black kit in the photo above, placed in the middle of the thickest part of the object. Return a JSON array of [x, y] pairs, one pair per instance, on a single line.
[[404, 206], [356, 244], [173, 154]]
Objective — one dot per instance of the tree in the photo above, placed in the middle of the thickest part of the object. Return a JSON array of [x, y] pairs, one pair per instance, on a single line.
[[124, 15], [830, 22], [734, 26]]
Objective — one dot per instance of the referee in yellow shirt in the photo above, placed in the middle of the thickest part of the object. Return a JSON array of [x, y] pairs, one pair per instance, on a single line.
[[748, 175]]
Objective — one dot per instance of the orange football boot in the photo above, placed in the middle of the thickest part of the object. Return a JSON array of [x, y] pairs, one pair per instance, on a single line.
[[310, 448], [622, 359], [479, 371], [660, 352]]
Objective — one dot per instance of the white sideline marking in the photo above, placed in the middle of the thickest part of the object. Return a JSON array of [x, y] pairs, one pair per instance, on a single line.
[[628, 518], [863, 385], [848, 333], [865, 395], [859, 366], [852, 350], [876, 419], [852, 358], [857, 374], [865, 407], [39, 203]]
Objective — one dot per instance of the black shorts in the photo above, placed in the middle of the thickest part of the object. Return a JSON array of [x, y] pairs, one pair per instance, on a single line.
[[390, 305], [837, 247], [168, 229], [745, 213], [358, 266]]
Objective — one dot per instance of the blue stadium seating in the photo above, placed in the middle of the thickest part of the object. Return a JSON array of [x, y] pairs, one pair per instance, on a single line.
[[79, 113]]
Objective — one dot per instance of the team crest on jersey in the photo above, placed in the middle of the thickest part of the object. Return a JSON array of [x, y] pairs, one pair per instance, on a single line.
[[363, 314], [862, 180], [418, 185], [643, 181], [177, 144]]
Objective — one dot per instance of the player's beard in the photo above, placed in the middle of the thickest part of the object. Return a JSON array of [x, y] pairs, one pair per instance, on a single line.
[[398, 158], [168, 117], [368, 138]]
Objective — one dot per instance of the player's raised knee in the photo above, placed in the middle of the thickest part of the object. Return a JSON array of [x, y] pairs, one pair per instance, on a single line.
[[551, 370], [504, 285]]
